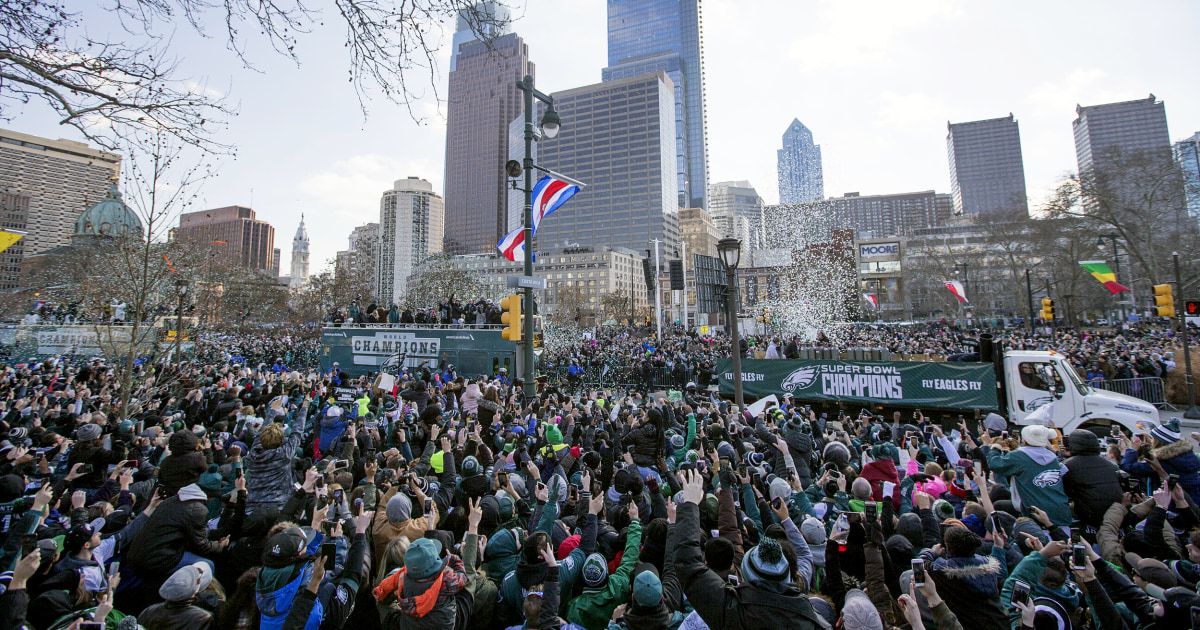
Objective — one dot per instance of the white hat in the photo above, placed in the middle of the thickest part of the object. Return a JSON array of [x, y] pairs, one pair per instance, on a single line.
[[1036, 435]]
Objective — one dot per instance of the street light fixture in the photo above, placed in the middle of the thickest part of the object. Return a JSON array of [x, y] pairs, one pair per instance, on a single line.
[[730, 251], [550, 121]]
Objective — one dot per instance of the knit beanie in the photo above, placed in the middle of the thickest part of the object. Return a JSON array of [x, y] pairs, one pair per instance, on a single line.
[[814, 534], [595, 570], [1168, 433], [780, 489], [766, 562], [554, 435], [211, 479]]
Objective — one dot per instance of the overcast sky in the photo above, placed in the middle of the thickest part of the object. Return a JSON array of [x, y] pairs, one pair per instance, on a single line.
[[876, 81]]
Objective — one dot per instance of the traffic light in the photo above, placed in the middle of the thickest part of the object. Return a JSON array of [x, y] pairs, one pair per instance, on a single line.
[[511, 316], [1047, 309], [1192, 308], [1164, 300]]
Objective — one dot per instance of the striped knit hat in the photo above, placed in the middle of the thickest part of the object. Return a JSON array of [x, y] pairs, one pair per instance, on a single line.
[[1167, 433]]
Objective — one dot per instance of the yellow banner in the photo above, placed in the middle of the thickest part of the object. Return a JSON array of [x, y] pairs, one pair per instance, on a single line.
[[8, 238]]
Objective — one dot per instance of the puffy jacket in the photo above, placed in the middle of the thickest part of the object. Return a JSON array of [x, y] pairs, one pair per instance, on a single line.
[[269, 471], [971, 587], [1177, 458], [645, 440], [470, 399], [1091, 480], [180, 524]]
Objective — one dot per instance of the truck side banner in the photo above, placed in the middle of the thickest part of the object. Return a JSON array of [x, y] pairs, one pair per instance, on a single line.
[[909, 383]]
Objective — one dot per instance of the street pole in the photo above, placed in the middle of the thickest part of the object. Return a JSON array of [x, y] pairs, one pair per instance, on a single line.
[[1029, 296], [657, 296], [735, 337], [1192, 412], [683, 256], [526, 86], [179, 289]]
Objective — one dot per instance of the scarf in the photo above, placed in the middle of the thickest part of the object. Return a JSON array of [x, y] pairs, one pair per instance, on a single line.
[[420, 604]]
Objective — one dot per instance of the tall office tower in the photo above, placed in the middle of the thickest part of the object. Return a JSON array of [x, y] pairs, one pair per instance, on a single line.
[[299, 275], [741, 199], [243, 238], [410, 229], [730, 225], [482, 100], [57, 180], [986, 170], [618, 138], [488, 19], [364, 242], [800, 176], [1187, 153], [1129, 126], [665, 35]]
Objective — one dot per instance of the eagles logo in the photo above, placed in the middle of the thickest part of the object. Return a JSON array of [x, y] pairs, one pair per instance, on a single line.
[[801, 378]]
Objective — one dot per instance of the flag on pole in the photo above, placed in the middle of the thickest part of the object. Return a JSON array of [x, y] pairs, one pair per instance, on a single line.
[[956, 288], [549, 194], [8, 237], [870, 297], [1100, 271]]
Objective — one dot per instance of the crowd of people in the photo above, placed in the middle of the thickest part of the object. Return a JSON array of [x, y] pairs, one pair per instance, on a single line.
[[235, 491]]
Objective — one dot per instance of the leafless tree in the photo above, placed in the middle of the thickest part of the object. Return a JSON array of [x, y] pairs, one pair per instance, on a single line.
[[113, 88], [437, 279]]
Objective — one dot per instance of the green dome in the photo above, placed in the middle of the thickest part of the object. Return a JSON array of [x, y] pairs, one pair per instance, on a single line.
[[109, 217]]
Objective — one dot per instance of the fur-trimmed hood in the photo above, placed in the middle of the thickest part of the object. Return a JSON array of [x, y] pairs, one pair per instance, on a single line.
[[980, 574], [1175, 449]]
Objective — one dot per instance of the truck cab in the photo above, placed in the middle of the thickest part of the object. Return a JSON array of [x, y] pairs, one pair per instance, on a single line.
[[1042, 388]]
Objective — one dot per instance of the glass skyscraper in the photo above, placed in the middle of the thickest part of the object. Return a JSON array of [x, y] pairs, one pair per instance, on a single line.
[[987, 173], [800, 176], [618, 138], [482, 100], [646, 36], [1187, 153]]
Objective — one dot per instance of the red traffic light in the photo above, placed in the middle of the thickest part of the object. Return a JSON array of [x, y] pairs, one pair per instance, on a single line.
[[1192, 307]]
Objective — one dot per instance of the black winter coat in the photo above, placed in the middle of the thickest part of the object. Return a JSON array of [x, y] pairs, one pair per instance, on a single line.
[[1091, 481], [180, 524]]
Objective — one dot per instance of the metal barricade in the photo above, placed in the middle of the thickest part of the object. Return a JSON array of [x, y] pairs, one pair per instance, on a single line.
[[1150, 389]]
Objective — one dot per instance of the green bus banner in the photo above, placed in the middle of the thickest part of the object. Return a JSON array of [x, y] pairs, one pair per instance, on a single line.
[[911, 383]]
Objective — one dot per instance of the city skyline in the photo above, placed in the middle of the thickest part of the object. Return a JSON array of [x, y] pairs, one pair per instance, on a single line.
[[896, 82]]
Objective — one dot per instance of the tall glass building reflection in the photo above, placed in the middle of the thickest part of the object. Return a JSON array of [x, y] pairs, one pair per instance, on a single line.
[[987, 173], [647, 36]]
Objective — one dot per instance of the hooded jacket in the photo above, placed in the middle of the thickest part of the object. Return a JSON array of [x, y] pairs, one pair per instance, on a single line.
[[470, 399], [1091, 481], [1176, 458], [1035, 477], [405, 614], [184, 465], [971, 587], [180, 524]]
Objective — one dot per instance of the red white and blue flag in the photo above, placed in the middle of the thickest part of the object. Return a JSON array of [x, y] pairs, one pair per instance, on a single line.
[[548, 195], [872, 300]]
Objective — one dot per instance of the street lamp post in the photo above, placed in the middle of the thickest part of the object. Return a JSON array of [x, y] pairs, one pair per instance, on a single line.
[[550, 126], [1192, 412], [1116, 270], [730, 251], [181, 287]]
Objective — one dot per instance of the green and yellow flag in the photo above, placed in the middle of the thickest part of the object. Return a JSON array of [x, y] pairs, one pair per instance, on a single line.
[[1099, 270]]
